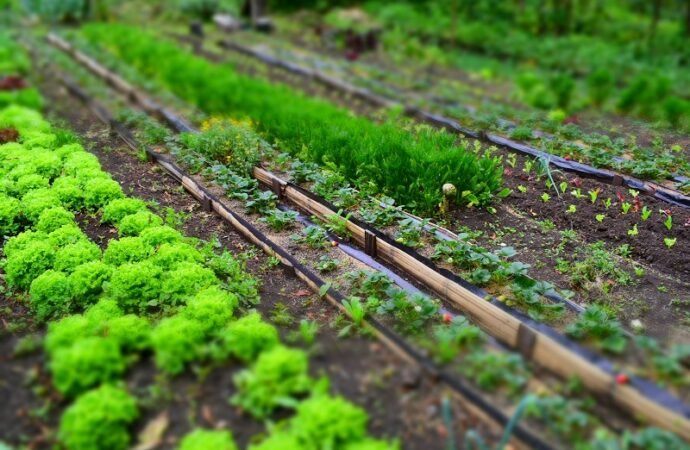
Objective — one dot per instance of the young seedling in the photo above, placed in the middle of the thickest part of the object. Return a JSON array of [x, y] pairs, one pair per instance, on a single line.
[[572, 209], [668, 223], [527, 168], [563, 186], [327, 264], [545, 197], [308, 329], [593, 195], [646, 212], [522, 189], [577, 193], [670, 242], [625, 207], [355, 309], [633, 231], [600, 217], [634, 193], [607, 203], [639, 272]]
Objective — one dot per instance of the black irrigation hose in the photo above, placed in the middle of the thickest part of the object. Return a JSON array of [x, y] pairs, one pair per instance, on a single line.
[[646, 388], [456, 384], [602, 175]]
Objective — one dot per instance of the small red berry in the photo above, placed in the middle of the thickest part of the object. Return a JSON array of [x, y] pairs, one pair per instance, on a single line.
[[622, 378], [447, 317]]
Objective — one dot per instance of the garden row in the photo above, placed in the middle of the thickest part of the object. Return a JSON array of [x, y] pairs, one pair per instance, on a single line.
[[151, 291], [656, 160], [409, 166], [210, 147]]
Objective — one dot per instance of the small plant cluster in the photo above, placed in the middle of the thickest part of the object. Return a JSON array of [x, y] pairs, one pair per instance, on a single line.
[[632, 208], [410, 312], [495, 268]]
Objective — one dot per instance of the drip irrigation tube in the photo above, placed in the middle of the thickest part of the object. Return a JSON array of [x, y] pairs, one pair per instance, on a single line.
[[527, 439], [536, 341], [656, 190]]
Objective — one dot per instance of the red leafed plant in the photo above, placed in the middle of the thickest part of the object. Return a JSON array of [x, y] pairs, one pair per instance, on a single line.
[[12, 83], [8, 135]]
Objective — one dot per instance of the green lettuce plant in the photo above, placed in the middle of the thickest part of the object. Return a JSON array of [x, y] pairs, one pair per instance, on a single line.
[[99, 419], [277, 378], [177, 341], [50, 295], [246, 338], [87, 280], [88, 362], [69, 257], [51, 219], [200, 439], [134, 224], [119, 208]]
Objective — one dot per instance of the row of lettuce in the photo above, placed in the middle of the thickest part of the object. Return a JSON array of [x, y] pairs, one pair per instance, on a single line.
[[151, 291], [409, 164]]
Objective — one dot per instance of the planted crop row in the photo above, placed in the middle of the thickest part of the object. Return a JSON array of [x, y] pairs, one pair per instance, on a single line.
[[658, 162], [409, 165], [151, 291]]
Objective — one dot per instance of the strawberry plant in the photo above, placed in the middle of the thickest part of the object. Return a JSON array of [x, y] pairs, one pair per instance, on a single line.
[[410, 232], [600, 327], [493, 371], [313, 235], [326, 264], [280, 220]]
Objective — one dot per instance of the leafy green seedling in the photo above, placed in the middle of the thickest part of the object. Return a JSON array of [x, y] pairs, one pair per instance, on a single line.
[[668, 223], [593, 195], [670, 242], [646, 212]]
